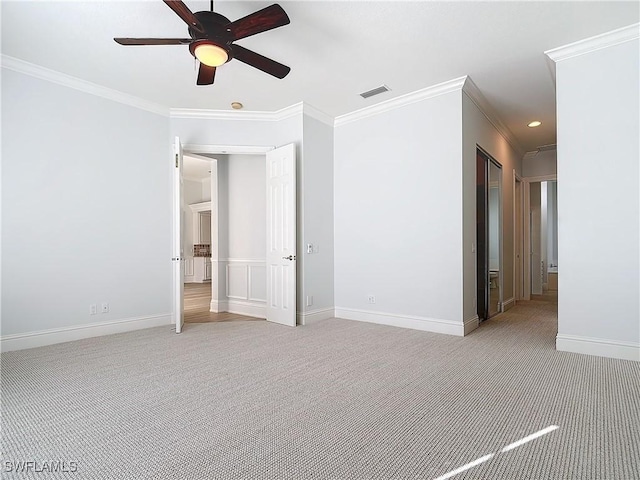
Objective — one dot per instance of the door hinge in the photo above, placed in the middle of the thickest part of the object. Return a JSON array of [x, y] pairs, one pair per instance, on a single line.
[[176, 160]]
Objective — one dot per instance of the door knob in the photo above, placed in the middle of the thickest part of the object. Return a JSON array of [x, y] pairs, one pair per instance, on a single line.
[[290, 257]]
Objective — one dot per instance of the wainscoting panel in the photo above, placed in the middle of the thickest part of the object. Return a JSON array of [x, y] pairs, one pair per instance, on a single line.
[[246, 287], [237, 281], [258, 283]]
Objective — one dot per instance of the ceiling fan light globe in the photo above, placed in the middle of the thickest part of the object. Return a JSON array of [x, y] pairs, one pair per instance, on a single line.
[[211, 55]]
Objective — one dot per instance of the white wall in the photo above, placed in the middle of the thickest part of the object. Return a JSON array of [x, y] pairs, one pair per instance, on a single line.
[[86, 213], [314, 164], [241, 191], [598, 208], [192, 193], [246, 203], [317, 209], [398, 209], [479, 131], [539, 164]]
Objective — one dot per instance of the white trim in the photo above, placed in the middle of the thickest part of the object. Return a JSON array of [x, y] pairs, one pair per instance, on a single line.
[[509, 303], [598, 346], [200, 207], [250, 285], [194, 179], [541, 178], [404, 321], [517, 179], [313, 316], [218, 306], [591, 44], [243, 115], [65, 80], [397, 102], [475, 95], [52, 336], [228, 149], [243, 260], [246, 308], [227, 275], [471, 324], [313, 112]]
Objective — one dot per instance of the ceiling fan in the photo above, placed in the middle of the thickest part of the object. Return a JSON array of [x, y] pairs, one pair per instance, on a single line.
[[212, 38]]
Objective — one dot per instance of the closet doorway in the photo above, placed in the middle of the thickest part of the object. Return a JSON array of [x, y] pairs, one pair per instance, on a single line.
[[488, 235]]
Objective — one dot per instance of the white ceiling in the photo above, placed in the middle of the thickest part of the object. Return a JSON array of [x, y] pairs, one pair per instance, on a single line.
[[335, 50]]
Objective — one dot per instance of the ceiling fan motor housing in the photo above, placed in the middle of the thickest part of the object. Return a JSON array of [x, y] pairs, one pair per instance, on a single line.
[[215, 31]]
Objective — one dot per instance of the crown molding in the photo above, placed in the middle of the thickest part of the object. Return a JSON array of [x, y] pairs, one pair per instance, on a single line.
[[397, 102], [591, 44], [65, 80], [282, 114], [476, 96], [189, 149], [313, 112], [207, 114]]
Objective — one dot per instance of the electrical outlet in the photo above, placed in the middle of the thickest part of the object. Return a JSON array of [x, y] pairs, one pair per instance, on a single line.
[[309, 300], [93, 309], [309, 247], [105, 307], [371, 298]]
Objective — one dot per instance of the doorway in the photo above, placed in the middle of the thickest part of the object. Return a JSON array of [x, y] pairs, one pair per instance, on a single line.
[[259, 207], [488, 235], [540, 235], [518, 236]]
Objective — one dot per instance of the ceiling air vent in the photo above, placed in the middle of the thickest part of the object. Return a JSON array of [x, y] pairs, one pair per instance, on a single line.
[[375, 91]]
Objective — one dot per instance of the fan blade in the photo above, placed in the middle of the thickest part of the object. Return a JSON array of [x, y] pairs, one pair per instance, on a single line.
[[153, 41], [266, 19], [185, 14], [206, 74], [258, 61]]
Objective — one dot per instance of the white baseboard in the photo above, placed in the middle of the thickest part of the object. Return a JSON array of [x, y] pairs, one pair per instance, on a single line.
[[41, 338], [471, 324], [313, 316], [244, 308], [509, 303], [218, 306], [599, 347], [448, 327]]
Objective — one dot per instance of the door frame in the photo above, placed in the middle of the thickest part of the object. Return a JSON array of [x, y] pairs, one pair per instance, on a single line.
[[518, 231], [489, 159], [527, 181], [212, 149]]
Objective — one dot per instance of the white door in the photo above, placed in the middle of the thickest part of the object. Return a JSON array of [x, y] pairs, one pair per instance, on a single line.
[[281, 235], [178, 223], [536, 253], [518, 240]]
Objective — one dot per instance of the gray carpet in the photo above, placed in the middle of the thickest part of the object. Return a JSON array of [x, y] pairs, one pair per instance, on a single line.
[[334, 400]]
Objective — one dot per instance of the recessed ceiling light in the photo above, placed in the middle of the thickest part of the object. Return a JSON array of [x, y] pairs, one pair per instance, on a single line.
[[236, 105], [535, 123]]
